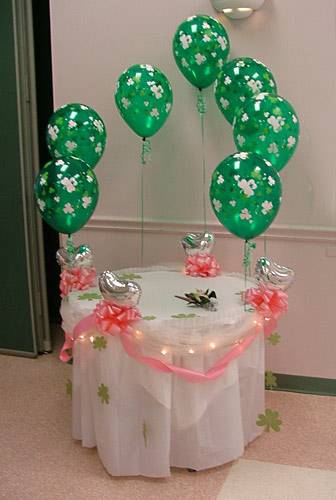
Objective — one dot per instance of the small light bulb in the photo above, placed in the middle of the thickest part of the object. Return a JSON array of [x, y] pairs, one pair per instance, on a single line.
[[191, 351], [164, 352], [138, 334], [91, 339], [212, 345], [81, 337]]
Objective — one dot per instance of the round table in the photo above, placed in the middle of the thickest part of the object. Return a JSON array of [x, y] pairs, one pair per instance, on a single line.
[[144, 421]]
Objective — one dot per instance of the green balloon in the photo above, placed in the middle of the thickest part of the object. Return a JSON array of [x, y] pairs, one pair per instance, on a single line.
[[200, 47], [268, 126], [144, 98], [66, 192], [76, 130], [239, 80], [245, 194]]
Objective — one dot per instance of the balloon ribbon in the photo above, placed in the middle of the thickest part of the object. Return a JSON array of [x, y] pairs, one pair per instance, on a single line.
[[145, 151], [201, 108], [249, 246], [145, 158], [70, 245], [265, 245]]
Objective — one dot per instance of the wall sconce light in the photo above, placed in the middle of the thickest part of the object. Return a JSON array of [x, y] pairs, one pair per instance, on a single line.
[[237, 9]]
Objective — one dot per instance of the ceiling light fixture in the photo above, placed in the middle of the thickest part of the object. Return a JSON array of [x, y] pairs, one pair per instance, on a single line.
[[237, 9]]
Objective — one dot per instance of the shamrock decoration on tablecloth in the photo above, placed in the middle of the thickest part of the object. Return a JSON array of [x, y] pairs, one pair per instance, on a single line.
[[89, 296], [145, 432], [103, 394], [99, 343], [68, 388], [270, 420], [184, 316], [149, 318], [274, 338], [129, 276], [270, 380]]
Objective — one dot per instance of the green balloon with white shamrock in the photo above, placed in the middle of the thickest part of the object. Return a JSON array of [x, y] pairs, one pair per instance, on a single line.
[[268, 126], [144, 98], [201, 47], [76, 130], [239, 80], [66, 193], [245, 194]]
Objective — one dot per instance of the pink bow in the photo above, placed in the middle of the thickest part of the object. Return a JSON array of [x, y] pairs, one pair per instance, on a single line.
[[268, 302], [112, 318], [76, 278], [202, 265]]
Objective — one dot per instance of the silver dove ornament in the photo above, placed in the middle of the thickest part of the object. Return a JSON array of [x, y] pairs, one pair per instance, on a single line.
[[81, 257], [122, 292], [198, 243], [272, 274]]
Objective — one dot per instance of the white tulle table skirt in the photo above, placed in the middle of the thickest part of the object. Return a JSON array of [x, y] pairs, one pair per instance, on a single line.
[[151, 420]]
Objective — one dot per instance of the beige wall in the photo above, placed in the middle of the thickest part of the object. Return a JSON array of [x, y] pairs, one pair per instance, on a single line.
[[94, 41]]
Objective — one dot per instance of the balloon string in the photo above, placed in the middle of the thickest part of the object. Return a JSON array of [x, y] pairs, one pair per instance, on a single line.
[[70, 245], [144, 159], [249, 246], [201, 108], [245, 260], [142, 218], [145, 152]]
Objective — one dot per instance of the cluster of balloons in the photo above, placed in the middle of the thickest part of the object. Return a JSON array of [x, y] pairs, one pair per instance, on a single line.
[[66, 188], [245, 189]]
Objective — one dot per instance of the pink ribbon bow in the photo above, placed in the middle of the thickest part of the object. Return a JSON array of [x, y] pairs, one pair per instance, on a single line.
[[108, 317], [270, 304], [112, 318], [202, 265], [76, 278]]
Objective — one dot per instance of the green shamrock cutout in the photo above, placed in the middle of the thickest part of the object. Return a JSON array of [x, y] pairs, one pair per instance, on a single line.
[[99, 343], [184, 316], [129, 276], [145, 432], [269, 420], [149, 318], [274, 338], [270, 380], [68, 388], [103, 394], [89, 296]]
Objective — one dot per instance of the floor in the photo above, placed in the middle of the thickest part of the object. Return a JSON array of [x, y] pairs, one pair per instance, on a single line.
[[40, 460]]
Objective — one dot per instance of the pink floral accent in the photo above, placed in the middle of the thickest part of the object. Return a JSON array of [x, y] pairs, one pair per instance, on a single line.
[[202, 265], [77, 278], [269, 303], [112, 318]]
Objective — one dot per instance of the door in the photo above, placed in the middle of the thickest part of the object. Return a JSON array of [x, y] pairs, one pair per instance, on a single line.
[[24, 328]]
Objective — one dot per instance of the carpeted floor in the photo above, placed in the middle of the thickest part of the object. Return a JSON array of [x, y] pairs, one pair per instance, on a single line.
[[40, 460]]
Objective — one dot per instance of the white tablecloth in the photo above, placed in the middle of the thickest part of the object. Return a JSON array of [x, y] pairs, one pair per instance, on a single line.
[[155, 420]]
